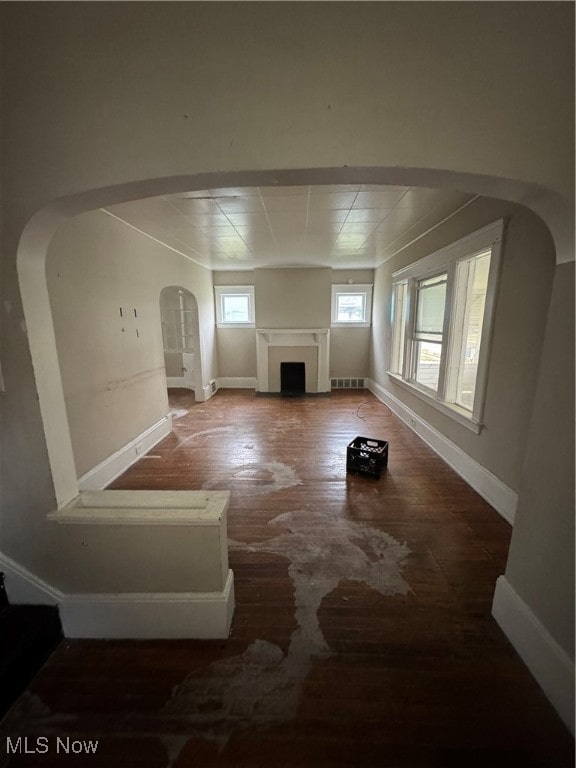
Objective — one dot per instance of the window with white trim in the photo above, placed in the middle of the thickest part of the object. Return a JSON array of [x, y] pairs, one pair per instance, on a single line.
[[234, 306], [442, 314], [352, 305]]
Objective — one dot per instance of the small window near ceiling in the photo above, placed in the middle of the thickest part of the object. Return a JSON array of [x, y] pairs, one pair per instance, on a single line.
[[234, 306], [351, 305]]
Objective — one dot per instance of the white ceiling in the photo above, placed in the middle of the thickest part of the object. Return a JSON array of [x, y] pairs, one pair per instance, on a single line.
[[339, 226]]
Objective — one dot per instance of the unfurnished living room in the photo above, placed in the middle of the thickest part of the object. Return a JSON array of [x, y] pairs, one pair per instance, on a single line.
[[287, 384]]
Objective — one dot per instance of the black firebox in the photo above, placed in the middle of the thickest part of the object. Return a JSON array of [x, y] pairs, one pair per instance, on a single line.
[[292, 379]]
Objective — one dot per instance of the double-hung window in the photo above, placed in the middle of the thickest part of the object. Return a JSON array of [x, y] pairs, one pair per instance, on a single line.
[[442, 313], [428, 332]]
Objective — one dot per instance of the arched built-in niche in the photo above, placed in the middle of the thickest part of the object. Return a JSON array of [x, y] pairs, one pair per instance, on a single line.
[[41, 228], [181, 340]]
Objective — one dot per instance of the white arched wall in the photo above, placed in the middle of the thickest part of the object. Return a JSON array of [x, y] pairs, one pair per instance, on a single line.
[[36, 237], [533, 606]]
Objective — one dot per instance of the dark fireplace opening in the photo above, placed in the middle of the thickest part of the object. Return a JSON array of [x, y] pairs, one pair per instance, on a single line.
[[292, 379]]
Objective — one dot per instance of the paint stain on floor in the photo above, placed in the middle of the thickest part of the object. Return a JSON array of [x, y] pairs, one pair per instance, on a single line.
[[260, 477], [262, 685], [178, 413]]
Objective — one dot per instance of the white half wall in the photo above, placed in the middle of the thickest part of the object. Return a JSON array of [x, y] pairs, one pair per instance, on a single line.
[[198, 615], [140, 593], [146, 616]]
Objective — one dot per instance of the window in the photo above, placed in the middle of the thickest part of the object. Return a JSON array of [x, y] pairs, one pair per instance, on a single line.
[[442, 310], [234, 306], [429, 330], [399, 299], [351, 305]]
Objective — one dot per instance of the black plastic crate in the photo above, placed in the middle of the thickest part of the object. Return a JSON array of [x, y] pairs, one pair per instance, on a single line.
[[367, 456]]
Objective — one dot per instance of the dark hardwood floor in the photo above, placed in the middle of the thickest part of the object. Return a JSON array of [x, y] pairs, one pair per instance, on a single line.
[[362, 634]]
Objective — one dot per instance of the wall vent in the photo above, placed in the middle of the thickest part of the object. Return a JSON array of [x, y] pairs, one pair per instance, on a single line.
[[347, 383], [213, 386]]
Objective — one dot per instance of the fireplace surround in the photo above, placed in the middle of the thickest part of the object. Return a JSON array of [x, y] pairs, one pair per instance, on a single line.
[[308, 345]]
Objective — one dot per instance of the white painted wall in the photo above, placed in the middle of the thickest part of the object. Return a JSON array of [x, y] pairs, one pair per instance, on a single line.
[[349, 347], [521, 310], [113, 378], [350, 352], [292, 298], [97, 96], [541, 563]]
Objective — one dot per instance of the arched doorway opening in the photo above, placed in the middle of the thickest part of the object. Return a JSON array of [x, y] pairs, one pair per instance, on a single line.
[[40, 230]]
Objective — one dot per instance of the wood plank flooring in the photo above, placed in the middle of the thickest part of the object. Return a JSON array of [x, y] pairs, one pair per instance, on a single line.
[[362, 634]]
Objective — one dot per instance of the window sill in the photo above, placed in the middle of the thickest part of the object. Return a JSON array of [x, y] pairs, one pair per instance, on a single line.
[[235, 325], [453, 411], [350, 325]]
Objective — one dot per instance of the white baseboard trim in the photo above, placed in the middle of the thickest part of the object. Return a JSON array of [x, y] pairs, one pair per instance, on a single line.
[[112, 467], [150, 616], [237, 382], [193, 615], [490, 487], [25, 588], [546, 660], [176, 382]]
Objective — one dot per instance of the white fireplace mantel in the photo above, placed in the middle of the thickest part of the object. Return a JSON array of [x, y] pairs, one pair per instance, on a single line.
[[293, 337]]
